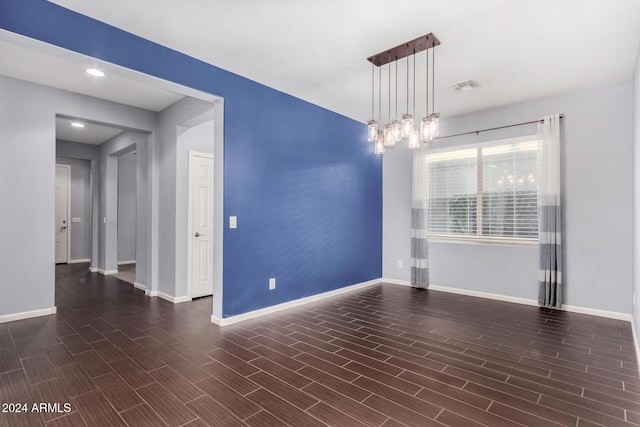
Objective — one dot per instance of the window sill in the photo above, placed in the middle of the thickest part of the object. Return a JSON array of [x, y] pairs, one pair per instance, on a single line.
[[469, 240]]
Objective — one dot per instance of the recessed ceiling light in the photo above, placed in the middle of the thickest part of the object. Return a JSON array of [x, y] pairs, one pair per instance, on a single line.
[[95, 72], [77, 124]]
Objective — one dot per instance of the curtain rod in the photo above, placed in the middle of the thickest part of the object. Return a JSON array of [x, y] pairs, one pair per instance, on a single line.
[[496, 128]]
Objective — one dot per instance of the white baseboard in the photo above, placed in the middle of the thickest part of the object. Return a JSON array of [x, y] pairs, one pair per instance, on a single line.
[[518, 300], [597, 312], [167, 297], [290, 304], [107, 272], [396, 282], [487, 295], [27, 314], [150, 293], [93, 269], [140, 286], [78, 261], [126, 262]]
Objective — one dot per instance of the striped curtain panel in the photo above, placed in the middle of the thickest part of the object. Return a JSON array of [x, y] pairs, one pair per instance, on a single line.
[[549, 213], [419, 219]]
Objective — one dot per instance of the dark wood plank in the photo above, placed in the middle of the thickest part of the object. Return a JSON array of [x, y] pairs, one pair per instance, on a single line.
[[171, 410], [142, 416], [176, 384], [233, 401], [96, 410], [71, 420], [118, 392], [342, 403], [212, 413], [39, 368], [283, 410]]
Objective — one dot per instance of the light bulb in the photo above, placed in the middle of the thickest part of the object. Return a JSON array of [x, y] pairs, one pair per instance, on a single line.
[[372, 127], [379, 147], [407, 125], [435, 125], [414, 140], [396, 129], [389, 140], [425, 129]]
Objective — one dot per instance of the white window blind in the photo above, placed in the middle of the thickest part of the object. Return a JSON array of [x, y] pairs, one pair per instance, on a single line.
[[487, 190]]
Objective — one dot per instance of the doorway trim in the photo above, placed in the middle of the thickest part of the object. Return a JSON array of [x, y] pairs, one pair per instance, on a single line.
[[192, 155], [68, 168]]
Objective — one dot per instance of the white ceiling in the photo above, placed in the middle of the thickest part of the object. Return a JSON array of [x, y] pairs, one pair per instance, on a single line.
[[316, 49], [64, 70], [91, 133]]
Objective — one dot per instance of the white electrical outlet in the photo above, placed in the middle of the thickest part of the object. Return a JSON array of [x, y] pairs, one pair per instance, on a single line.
[[400, 263], [272, 283], [233, 222]]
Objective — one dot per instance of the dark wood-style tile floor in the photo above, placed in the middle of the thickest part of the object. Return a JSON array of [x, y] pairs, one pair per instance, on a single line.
[[384, 356]]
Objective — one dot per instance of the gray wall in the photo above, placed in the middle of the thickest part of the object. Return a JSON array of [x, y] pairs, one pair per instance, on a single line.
[[80, 201], [127, 176], [27, 137], [171, 263], [144, 220], [597, 186], [27, 132]]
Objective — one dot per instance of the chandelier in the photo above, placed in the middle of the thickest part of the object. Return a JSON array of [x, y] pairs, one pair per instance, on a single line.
[[396, 130]]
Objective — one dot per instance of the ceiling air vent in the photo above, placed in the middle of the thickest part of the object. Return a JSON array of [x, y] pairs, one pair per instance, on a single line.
[[465, 86]]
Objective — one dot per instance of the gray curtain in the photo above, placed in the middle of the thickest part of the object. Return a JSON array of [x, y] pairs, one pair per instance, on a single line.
[[549, 213], [419, 219]]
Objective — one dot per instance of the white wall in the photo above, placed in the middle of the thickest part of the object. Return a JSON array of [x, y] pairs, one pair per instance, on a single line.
[[597, 185], [80, 201], [127, 177], [28, 157]]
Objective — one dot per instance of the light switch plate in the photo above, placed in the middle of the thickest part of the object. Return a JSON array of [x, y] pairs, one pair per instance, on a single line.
[[233, 222], [76, 219]]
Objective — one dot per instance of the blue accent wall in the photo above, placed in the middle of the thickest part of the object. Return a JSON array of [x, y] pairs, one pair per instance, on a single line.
[[302, 180]]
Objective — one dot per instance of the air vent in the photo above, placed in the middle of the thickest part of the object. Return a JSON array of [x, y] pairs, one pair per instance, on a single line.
[[465, 86]]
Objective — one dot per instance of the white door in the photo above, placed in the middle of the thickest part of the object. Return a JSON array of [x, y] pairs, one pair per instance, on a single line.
[[62, 213], [201, 212]]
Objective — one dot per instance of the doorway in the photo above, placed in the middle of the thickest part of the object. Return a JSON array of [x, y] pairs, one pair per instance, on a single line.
[[200, 224], [63, 206]]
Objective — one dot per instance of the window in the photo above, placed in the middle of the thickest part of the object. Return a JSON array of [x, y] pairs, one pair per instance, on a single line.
[[485, 190]]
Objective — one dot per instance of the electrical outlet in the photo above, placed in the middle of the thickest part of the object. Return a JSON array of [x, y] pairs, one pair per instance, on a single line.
[[272, 283], [400, 263]]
